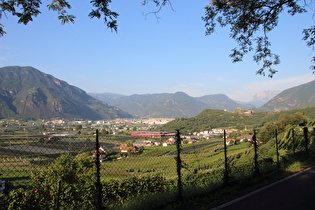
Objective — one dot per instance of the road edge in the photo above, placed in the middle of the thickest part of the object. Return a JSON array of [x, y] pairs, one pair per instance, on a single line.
[[260, 189]]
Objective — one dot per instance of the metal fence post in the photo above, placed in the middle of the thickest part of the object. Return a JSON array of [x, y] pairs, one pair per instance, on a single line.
[[256, 166], [226, 171], [277, 149], [58, 195], [305, 132], [293, 141], [179, 165], [98, 179]]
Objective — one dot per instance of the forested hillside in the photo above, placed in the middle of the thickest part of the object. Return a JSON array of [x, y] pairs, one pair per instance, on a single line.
[[160, 105], [210, 119], [177, 104]]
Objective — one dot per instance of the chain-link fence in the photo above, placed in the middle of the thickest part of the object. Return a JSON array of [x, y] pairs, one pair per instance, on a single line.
[[106, 171]]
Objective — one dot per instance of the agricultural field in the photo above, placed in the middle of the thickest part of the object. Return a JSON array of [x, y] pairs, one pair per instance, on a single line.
[[20, 155], [24, 161], [130, 166]]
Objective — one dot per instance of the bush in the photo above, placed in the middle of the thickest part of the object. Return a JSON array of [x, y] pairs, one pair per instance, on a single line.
[[121, 190], [72, 181], [69, 179]]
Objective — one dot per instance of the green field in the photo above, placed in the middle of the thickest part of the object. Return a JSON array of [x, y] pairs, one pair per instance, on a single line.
[[126, 176], [23, 156]]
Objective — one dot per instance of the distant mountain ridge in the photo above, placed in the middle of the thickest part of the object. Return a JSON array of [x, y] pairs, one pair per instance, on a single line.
[[261, 98], [158, 105], [178, 104], [105, 96], [26, 92], [222, 102], [292, 98]]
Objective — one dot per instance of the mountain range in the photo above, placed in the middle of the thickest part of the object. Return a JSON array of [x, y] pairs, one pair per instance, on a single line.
[[28, 93], [182, 105], [177, 104]]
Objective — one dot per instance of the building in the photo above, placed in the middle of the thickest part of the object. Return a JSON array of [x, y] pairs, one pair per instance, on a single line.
[[169, 142], [152, 134], [128, 149], [142, 143]]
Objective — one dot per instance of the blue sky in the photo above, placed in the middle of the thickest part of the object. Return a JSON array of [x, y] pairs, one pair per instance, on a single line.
[[150, 55]]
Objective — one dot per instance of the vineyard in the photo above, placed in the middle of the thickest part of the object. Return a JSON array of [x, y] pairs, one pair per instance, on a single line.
[[53, 172]]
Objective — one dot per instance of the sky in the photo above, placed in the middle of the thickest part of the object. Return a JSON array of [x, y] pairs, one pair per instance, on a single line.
[[153, 54]]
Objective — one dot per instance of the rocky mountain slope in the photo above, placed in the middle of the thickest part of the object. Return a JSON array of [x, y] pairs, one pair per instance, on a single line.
[[26, 92], [292, 98], [261, 98]]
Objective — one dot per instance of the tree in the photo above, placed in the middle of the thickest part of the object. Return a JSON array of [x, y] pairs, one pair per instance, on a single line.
[[78, 127], [292, 138], [250, 21], [104, 132], [297, 118], [70, 179], [267, 132], [26, 10]]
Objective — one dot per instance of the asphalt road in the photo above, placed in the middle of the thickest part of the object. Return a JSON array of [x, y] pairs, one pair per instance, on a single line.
[[296, 192]]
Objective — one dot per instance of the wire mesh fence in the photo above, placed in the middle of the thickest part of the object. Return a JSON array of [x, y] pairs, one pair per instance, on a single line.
[[98, 171]]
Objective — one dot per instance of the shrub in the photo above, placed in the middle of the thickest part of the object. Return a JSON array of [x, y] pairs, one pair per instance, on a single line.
[[121, 190], [69, 179]]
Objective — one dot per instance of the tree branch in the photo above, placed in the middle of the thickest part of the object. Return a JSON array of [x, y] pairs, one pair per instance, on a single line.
[[160, 4]]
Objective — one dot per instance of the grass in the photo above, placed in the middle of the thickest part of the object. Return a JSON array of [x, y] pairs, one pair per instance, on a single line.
[[17, 179], [213, 194], [211, 199], [161, 160]]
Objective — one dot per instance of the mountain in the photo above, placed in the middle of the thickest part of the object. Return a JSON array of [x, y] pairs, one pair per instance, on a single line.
[[261, 98], [213, 118], [222, 102], [178, 104], [292, 98], [160, 105], [106, 97], [26, 92]]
